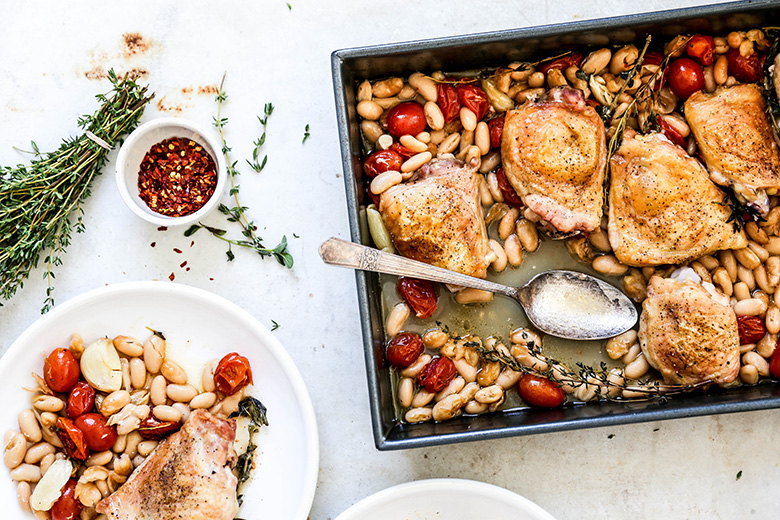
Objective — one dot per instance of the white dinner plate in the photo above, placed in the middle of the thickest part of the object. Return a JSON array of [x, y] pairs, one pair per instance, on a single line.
[[445, 499], [199, 326]]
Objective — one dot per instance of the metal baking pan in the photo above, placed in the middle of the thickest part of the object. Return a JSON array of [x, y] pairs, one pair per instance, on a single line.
[[351, 66]]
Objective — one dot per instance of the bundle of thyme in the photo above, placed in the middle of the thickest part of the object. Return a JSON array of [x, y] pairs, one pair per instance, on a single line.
[[37, 201], [238, 212]]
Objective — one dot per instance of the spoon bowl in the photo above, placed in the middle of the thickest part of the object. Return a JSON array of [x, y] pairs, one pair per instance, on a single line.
[[565, 304]]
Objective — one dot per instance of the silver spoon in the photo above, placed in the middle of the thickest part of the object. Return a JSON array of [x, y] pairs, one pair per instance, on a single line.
[[566, 304]]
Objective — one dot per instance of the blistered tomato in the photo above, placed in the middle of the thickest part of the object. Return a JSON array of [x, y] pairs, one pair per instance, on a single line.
[[701, 48], [751, 329], [437, 374], [496, 128], [419, 294], [563, 63], [540, 391], [61, 370], [232, 374], [98, 435], [81, 399], [382, 161], [473, 98], [447, 99], [744, 70], [406, 118], [671, 133], [510, 195], [154, 429], [67, 507], [404, 349], [73, 438], [685, 77]]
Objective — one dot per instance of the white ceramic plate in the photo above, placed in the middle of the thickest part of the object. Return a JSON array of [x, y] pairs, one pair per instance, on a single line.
[[445, 499], [199, 326]]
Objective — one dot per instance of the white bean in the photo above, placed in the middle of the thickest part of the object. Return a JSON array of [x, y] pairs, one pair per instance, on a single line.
[[23, 493], [396, 319], [48, 403], [455, 386], [146, 447], [114, 402], [405, 392], [608, 264], [38, 451], [370, 110], [422, 398], [100, 458], [29, 427], [475, 407], [415, 368], [424, 85], [385, 180], [466, 370], [448, 407], [506, 225], [26, 473], [418, 415], [204, 400], [755, 359], [173, 372], [411, 142], [489, 394], [166, 413], [499, 264], [508, 378], [184, 409], [14, 450], [415, 162], [137, 373], [157, 391], [749, 307], [748, 374], [637, 368], [154, 353], [433, 115], [450, 143], [181, 393], [528, 235], [482, 137], [473, 296], [128, 346], [514, 251]]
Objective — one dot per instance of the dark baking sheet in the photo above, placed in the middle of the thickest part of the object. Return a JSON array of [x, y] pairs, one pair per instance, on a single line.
[[350, 66]]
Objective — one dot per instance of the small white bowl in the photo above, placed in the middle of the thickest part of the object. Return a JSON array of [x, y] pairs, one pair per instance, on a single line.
[[140, 141]]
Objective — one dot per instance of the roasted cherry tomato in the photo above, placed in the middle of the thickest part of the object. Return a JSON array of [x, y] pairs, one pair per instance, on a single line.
[[404, 349], [437, 374], [563, 63], [61, 370], [744, 70], [671, 133], [473, 98], [232, 374], [653, 58], [496, 128], [774, 362], [98, 434], [685, 77], [67, 507], [73, 438], [510, 195], [382, 161], [701, 48], [81, 399], [406, 118], [419, 294], [540, 391], [751, 329], [403, 151], [154, 429], [447, 99]]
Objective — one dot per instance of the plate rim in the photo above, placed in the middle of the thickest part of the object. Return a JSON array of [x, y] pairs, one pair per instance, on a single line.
[[269, 341]]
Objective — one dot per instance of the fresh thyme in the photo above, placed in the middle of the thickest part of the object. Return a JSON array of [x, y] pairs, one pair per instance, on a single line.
[[305, 134], [258, 167], [238, 212], [770, 92], [37, 201], [275, 325], [257, 414]]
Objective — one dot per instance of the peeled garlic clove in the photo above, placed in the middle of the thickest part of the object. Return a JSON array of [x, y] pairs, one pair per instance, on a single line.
[[500, 101], [101, 366], [49, 488]]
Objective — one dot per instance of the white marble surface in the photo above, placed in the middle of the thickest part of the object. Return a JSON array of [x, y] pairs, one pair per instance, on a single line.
[[684, 468]]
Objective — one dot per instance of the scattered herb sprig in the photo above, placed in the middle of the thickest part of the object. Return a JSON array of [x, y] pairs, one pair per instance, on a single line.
[[257, 414], [258, 166], [306, 134], [37, 201], [238, 212]]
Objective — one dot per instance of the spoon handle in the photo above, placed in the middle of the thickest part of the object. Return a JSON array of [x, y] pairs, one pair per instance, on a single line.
[[339, 252]]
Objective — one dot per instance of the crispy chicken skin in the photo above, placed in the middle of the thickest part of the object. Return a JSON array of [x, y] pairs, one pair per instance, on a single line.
[[554, 155], [188, 476], [735, 140], [438, 218], [663, 208], [687, 335]]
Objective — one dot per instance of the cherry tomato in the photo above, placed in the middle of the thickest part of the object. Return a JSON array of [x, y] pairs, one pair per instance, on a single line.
[[419, 294], [671, 133], [406, 118], [496, 128], [751, 329], [510, 195], [744, 70], [61, 370], [382, 161], [774, 362], [447, 99], [67, 507], [701, 48], [404, 349], [232, 374], [73, 438], [97, 432], [437, 374], [685, 77], [540, 391], [653, 58], [81, 399], [403, 151], [154, 429], [563, 63], [473, 98]]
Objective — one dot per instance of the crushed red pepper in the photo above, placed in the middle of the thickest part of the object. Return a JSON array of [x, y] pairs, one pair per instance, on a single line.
[[177, 177]]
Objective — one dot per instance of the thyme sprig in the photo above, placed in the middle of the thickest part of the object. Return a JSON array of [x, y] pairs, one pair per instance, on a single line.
[[254, 164], [770, 93], [257, 413], [37, 201], [238, 213]]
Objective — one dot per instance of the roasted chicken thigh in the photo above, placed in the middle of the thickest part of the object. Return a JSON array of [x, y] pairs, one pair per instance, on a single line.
[[438, 218], [735, 139], [663, 208], [554, 156], [688, 334]]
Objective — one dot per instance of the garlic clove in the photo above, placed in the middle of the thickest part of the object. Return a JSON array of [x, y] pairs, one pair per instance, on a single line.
[[49, 488], [101, 367]]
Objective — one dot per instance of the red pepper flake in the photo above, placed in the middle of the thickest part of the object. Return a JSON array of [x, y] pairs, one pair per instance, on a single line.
[[162, 228], [192, 243], [187, 269], [177, 250], [153, 244], [171, 276], [211, 279], [177, 177], [183, 264]]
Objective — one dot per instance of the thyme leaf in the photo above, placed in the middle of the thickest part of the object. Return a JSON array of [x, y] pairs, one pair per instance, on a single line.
[[305, 134], [257, 414]]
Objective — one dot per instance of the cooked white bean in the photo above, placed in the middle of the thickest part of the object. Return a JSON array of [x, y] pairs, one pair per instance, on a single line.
[[166, 413], [48, 419], [618, 346], [371, 130], [154, 353], [48, 403], [473, 296], [468, 119], [506, 225], [137, 373], [773, 319], [528, 235], [128, 346], [766, 345], [609, 265], [387, 87], [482, 137], [405, 392], [450, 143], [759, 273], [749, 307], [157, 391], [23, 493], [721, 278], [747, 258], [721, 70], [184, 409], [14, 450], [448, 407], [489, 394], [146, 447], [26, 473], [396, 319], [748, 374], [623, 59], [100, 458], [729, 262], [123, 465], [514, 251], [120, 444], [596, 61], [424, 85], [114, 402], [475, 407], [508, 378], [455, 386], [181, 393], [499, 264], [495, 191], [364, 91], [415, 368], [204, 400], [468, 391], [133, 440], [466, 370], [38, 451], [418, 415], [435, 338], [637, 368], [385, 180], [755, 359], [29, 427], [433, 115], [746, 275], [422, 398], [415, 162], [370, 110], [490, 162], [741, 291], [173, 372]]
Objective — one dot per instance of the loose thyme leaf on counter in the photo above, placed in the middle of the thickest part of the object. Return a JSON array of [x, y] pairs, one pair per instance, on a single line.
[[37, 201], [305, 134], [238, 212]]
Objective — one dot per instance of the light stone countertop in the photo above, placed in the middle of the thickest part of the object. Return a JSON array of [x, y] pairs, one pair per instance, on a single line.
[[51, 51]]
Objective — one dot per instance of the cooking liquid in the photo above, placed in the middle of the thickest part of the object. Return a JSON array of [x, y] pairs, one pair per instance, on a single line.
[[503, 315]]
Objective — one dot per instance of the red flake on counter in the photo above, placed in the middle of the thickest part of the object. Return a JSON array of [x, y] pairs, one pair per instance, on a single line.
[[188, 269], [162, 228], [183, 264], [153, 244], [171, 276], [192, 243], [211, 279], [177, 250]]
